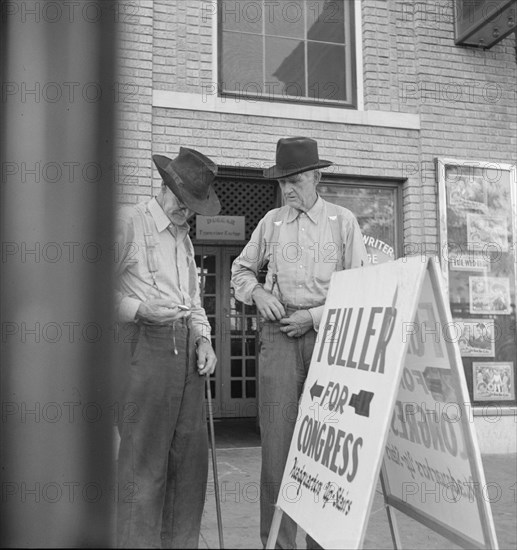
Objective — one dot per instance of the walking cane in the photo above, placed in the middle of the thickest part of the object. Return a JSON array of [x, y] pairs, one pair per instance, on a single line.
[[214, 461]]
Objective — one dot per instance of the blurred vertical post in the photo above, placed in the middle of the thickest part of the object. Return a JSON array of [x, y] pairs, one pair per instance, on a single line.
[[57, 179]]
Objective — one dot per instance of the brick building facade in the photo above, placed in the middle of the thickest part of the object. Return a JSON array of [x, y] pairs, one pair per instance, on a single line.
[[418, 97]]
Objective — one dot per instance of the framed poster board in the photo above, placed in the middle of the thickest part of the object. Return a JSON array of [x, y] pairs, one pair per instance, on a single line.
[[478, 241]]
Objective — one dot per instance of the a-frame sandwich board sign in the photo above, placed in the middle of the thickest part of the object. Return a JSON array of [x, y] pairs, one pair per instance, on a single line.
[[386, 389]]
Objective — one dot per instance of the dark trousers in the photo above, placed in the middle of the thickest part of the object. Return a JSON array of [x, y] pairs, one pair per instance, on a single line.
[[163, 456], [283, 366]]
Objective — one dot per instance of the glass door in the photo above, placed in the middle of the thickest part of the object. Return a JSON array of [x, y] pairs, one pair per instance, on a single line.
[[234, 335]]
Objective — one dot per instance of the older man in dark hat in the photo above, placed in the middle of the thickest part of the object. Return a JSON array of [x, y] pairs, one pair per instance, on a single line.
[[163, 456], [302, 243]]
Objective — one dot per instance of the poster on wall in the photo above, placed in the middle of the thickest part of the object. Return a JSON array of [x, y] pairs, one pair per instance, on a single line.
[[493, 381], [476, 337], [468, 193], [487, 231], [478, 231], [489, 295]]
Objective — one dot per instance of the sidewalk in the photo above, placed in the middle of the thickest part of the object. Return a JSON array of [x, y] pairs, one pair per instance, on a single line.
[[239, 474]]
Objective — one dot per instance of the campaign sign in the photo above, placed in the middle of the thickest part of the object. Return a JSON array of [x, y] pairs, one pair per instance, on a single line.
[[350, 399], [432, 465]]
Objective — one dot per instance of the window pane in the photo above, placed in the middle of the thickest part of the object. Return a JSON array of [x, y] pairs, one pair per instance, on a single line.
[[241, 15], [250, 346], [211, 320], [236, 324], [249, 310], [325, 21], [212, 387], [209, 305], [236, 347], [250, 388], [236, 389], [285, 18], [326, 72], [209, 263], [285, 73], [242, 65], [376, 214], [236, 370], [250, 368]]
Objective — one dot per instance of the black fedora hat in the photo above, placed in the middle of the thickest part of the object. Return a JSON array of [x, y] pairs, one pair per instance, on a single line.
[[295, 155], [190, 176]]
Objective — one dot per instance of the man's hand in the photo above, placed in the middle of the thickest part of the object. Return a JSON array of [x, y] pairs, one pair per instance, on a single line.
[[268, 305], [206, 358], [159, 310], [297, 324]]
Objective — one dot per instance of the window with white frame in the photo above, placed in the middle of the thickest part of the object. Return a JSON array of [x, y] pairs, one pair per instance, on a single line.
[[287, 50]]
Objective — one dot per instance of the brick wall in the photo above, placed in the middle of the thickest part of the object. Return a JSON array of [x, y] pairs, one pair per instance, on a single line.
[[465, 99], [183, 44], [134, 78]]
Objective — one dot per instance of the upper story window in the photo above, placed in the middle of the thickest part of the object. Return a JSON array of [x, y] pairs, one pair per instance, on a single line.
[[288, 50]]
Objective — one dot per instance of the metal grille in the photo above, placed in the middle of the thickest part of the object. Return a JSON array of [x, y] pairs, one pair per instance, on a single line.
[[251, 198]]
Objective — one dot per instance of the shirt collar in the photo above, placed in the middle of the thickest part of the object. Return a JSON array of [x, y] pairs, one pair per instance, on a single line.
[[313, 214], [158, 215]]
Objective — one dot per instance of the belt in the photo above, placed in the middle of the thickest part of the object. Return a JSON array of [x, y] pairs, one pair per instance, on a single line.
[[291, 309], [183, 322]]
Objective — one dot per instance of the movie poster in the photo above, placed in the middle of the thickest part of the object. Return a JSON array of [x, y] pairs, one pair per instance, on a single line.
[[483, 231], [493, 381], [476, 337], [468, 193], [489, 295]]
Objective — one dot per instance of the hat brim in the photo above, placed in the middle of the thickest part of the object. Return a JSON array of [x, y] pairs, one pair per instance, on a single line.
[[275, 172], [206, 207]]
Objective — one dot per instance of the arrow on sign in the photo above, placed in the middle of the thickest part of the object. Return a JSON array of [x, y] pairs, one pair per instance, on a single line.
[[316, 390], [361, 402]]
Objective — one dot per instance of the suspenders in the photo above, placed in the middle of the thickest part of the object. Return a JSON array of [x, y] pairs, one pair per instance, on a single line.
[[150, 244], [152, 263], [335, 222]]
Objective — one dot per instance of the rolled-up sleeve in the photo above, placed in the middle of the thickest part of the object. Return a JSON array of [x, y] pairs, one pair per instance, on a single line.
[[246, 266], [198, 324], [125, 306]]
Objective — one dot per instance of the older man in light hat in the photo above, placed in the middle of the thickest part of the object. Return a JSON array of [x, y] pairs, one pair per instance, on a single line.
[[163, 457], [302, 243]]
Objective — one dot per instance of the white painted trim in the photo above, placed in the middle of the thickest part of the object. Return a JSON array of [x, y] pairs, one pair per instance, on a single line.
[[215, 42], [241, 106], [358, 23], [208, 101]]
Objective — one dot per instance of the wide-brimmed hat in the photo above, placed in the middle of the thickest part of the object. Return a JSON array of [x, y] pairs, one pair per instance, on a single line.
[[295, 155], [190, 176]]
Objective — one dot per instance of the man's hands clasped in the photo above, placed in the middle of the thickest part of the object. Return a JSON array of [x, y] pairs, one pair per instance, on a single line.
[[271, 309], [269, 306]]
